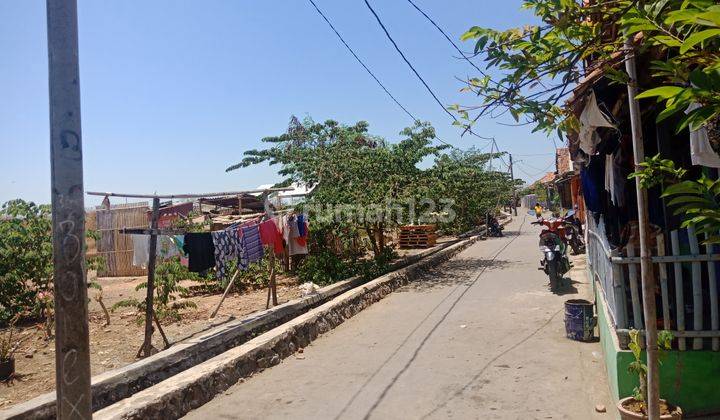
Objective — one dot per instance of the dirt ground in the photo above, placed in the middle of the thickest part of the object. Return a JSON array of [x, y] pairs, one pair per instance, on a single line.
[[117, 344]]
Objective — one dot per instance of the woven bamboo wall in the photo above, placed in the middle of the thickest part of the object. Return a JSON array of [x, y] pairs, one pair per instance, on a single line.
[[116, 248]]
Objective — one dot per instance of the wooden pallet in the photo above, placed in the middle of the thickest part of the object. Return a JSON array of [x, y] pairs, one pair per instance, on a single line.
[[417, 236]]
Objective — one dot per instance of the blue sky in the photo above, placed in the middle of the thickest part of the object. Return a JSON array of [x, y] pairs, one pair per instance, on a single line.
[[174, 91]]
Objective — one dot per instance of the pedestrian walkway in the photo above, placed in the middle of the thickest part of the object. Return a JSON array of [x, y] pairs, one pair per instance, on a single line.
[[480, 336]]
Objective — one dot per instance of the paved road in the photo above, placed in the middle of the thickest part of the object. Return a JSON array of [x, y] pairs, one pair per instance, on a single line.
[[480, 336]]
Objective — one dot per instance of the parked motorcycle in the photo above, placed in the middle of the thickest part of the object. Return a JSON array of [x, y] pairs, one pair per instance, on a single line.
[[574, 232], [553, 245], [494, 229]]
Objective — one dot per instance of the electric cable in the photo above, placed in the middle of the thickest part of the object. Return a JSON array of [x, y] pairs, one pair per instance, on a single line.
[[422, 80], [414, 118]]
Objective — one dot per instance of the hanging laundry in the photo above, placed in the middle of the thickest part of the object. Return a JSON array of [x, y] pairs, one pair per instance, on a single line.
[[226, 249], [140, 250], [251, 249], [166, 247], [286, 223], [592, 177], [297, 245], [301, 225], [270, 235], [302, 230], [179, 241], [609, 175], [590, 119], [615, 178], [200, 250], [701, 151]]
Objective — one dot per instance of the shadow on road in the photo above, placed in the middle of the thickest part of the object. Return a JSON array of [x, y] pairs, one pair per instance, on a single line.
[[453, 273]]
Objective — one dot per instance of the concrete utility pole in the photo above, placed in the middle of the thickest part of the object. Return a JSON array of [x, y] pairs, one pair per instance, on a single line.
[[646, 268], [72, 347], [514, 192]]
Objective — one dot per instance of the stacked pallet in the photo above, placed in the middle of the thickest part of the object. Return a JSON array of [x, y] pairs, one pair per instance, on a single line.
[[417, 236]]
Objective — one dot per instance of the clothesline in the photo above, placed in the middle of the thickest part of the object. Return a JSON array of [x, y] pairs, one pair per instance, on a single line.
[[212, 194], [242, 242]]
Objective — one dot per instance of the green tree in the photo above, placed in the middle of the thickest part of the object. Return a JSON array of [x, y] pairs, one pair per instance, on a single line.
[[539, 65], [461, 178], [350, 170], [26, 270]]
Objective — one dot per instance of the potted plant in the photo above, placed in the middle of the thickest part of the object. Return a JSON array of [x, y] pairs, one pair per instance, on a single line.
[[635, 407], [7, 350]]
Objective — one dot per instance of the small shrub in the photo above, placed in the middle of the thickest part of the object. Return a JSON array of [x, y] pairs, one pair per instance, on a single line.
[[25, 257], [168, 275], [639, 367], [324, 268], [327, 268]]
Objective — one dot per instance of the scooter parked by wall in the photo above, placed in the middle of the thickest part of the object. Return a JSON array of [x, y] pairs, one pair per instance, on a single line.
[[574, 233], [553, 245]]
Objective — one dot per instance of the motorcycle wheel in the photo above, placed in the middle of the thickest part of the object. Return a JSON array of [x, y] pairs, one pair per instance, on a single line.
[[551, 268], [575, 245]]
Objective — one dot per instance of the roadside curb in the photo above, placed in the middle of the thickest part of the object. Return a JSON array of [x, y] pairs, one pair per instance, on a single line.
[[194, 387]]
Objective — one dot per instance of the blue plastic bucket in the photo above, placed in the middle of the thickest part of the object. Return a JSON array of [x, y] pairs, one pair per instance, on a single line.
[[579, 320]]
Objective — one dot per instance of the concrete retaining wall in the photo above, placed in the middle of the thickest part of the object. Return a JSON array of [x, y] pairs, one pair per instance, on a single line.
[[192, 388]]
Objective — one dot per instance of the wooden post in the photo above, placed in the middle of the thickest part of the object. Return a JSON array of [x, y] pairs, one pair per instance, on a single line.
[[646, 267], [618, 290], [696, 288], [634, 292], [663, 283], [227, 289], [72, 344], [152, 257], [713, 292], [679, 292], [162, 333], [273, 285]]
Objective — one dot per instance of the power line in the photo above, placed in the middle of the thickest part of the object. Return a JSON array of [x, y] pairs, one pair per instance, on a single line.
[[498, 149], [462, 54], [414, 118], [397, 48], [542, 172], [536, 168], [534, 154], [361, 62], [531, 176]]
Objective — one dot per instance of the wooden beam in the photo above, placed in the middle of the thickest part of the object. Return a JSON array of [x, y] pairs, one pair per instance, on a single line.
[[189, 196], [693, 257], [149, 297]]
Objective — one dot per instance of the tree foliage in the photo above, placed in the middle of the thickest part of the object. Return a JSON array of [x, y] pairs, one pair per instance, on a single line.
[[539, 64], [26, 261], [373, 184], [351, 172], [26, 270], [475, 191]]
